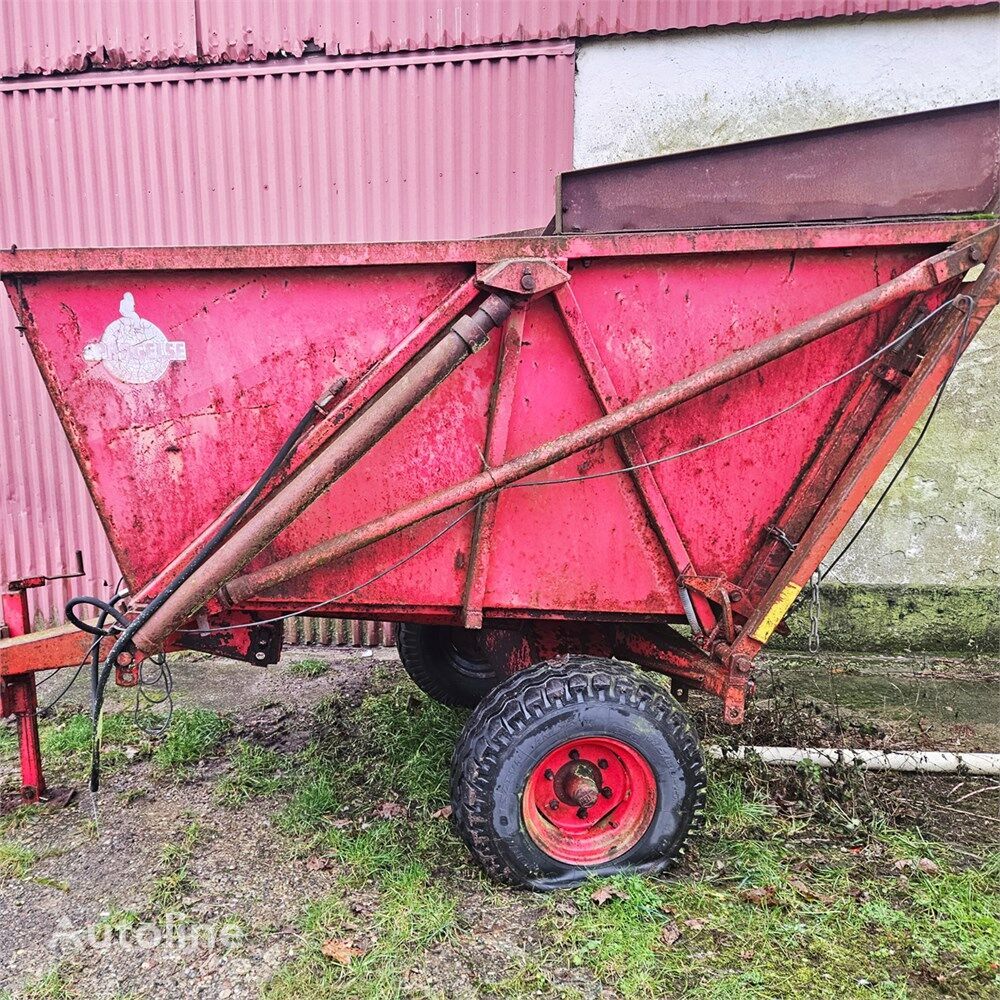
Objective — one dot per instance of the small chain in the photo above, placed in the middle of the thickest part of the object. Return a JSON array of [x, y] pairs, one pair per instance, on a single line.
[[814, 614]]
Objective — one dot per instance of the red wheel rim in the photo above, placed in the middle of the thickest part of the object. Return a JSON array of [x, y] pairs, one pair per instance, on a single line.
[[589, 800]]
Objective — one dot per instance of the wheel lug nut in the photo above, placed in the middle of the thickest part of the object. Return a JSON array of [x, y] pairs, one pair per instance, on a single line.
[[553, 804], [548, 774], [602, 763], [574, 755], [581, 813], [606, 792]]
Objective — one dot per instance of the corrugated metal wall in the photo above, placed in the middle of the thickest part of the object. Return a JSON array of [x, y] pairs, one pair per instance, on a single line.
[[257, 29], [391, 149], [43, 36]]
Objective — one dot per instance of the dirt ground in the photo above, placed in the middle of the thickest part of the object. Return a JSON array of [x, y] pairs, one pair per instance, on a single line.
[[161, 839]]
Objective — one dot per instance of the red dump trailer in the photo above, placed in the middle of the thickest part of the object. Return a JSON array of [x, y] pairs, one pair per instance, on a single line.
[[564, 461]]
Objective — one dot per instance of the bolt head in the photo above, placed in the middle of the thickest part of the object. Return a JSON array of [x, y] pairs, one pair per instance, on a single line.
[[553, 804], [581, 813], [602, 764], [528, 281], [606, 792], [548, 774], [574, 755]]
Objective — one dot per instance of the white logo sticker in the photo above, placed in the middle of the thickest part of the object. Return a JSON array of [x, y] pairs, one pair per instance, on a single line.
[[133, 349]]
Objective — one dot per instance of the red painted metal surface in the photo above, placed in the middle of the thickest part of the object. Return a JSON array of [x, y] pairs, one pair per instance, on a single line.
[[589, 801], [51, 36], [18, 698], [729, 357], [14, 614], [333, 175], [587, 548]]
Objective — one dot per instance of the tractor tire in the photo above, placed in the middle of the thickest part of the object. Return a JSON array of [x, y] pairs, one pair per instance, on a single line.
[[445, 663], [575, 768]]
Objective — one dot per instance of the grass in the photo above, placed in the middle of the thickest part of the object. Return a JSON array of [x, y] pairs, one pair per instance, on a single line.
[[365, 794], [770, 908], [767, 917], [767, 907], [193, 734], [67, 742], [175, 881], [51, 985], [308, 667], [254, 773], [402, 756], [16, 860], [413, 913]]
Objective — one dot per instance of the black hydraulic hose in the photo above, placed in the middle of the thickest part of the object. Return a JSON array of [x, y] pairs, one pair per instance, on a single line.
[[107, 609], [130, 628]]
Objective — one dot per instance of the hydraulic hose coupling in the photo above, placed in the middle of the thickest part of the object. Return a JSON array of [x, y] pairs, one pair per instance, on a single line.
[[475, 328]]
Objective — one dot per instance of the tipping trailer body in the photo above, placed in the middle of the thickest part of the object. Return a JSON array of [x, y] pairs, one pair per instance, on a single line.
[[565, 442]]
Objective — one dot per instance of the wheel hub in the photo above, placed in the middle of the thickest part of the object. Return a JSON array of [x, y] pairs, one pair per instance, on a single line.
[[589, 800]]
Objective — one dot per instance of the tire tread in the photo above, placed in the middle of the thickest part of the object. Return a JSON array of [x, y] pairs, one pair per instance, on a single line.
[[525, 696]]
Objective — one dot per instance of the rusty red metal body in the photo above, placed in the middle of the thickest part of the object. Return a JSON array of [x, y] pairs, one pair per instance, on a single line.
[[900, 166], [572, 443]]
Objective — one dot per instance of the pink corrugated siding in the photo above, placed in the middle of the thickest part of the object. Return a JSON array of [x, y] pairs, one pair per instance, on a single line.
[[46, 513], [45, 36], [258, 29], [55, 36], [398, 151]]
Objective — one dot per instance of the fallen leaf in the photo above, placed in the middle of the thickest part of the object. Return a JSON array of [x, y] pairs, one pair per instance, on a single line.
[[760, 896], [747, 955], [606, 893], [566, 908], [341, 952], [317, 864], [928, 866], [803, 890], [670, 934], [443, 813], [696, 923], [391, 810]]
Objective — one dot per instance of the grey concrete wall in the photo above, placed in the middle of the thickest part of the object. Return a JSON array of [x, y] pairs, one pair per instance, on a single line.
[[652, 94]]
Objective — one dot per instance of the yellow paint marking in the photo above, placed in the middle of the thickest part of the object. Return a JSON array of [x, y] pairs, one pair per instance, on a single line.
[[778, 610]]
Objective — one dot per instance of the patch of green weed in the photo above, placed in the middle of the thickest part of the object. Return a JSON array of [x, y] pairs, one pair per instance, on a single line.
[[315, 799], [412, 914], [193, 734], [309, 667], [68, 741], [253, 773], [174, 881], [16, 860], [51, 985]]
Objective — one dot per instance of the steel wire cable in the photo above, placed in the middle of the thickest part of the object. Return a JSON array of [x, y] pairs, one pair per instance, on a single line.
[[895, 342]]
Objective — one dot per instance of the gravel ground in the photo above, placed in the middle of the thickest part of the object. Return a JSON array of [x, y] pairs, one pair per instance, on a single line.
[[95, 859]]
